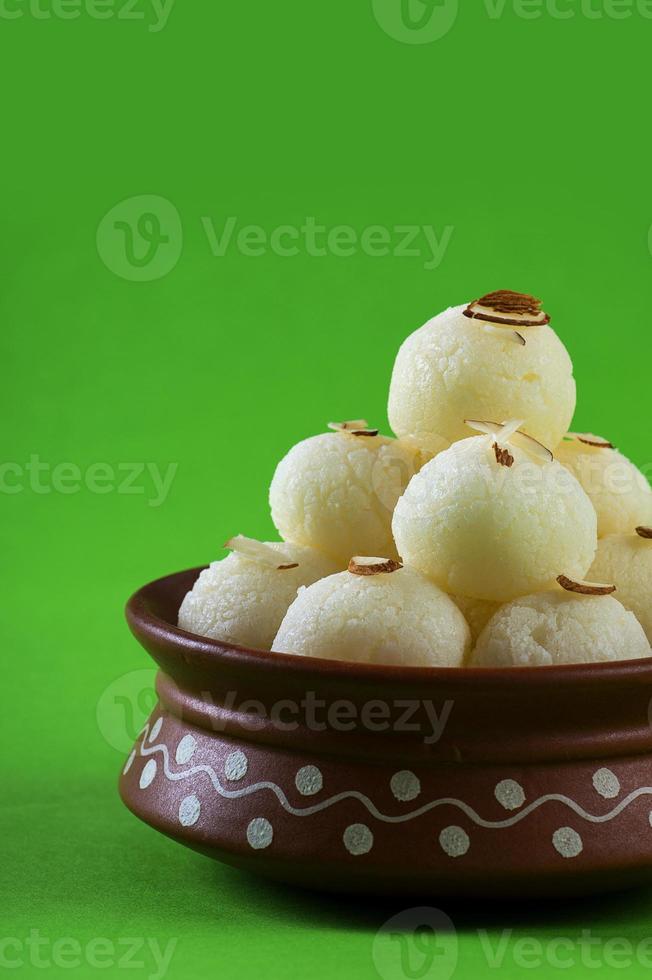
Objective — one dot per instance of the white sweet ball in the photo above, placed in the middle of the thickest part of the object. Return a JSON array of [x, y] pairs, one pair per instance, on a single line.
[[455, 368], [477, 612], [481, 529], [242, 600], [625, 560], [389, 618], [618, 490], [337, 492], [560, 628]]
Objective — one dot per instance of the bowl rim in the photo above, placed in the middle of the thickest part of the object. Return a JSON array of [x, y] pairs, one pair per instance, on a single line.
[[145, 623]]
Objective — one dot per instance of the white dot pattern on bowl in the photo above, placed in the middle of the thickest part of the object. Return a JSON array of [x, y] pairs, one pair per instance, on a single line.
[[148, 773], [235, 766], [405, 785], [260, 833], [358, 839], [185, 749], [189, 811], [606, 783], [510, 794], [454, 841], [567, 842], [156, 730], [309, 780]]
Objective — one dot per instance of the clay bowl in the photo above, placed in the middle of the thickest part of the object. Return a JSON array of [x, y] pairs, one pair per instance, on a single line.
[[530, 781]]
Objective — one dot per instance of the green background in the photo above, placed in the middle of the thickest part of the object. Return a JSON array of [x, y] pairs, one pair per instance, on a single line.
[[529, 136]]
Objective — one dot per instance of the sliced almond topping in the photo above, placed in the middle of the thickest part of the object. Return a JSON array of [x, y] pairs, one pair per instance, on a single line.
[[373, 566], [508, 429], [532, 446], [510, 432], [260, 552], [503, 430], [644, 532], [503, 456], [356, 427], [490, 428], [505, 334], [585, 588], [589, 440], [508, 308]]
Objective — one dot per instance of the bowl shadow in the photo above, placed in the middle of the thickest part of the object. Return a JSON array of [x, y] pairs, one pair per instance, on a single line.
[[363, 913]]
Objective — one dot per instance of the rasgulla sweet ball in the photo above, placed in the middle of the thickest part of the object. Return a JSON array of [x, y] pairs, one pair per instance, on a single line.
[[376, 612], [243, 598], [618, 490], [337, 491], [477, 612], [495, 359], [560, 628], [492, 520], [626, 560]]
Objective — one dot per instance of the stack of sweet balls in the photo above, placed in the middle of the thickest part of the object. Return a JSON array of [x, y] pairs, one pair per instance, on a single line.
[[520, 543]]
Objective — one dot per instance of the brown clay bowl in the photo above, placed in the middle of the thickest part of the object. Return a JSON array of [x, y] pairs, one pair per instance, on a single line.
[[515, 782]]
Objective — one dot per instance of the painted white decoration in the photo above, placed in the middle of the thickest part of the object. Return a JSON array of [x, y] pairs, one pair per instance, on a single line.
[[454, 841], [185, 749], [235, 766], [260, 833], [606, 783], [358, 839], [156, 730], [405, 785], [309, 780], [510, 794], [231, 793], [189, 810], [148, 773], [128, 763], [567, 842]]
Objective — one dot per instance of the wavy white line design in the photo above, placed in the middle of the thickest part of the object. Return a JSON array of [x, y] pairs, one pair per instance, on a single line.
[[235, 794]]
